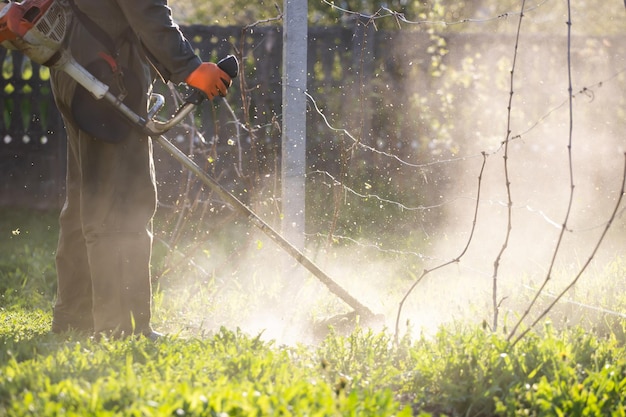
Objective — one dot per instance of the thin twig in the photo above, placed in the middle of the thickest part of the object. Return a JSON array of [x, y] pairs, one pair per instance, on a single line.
[[579, 304], [505, 243], [400, 17], [584, 267], [269, 20], [453, 261], [571, 178]]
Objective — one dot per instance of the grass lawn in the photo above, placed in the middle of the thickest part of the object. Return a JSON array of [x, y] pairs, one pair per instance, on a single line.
[[461, 371]]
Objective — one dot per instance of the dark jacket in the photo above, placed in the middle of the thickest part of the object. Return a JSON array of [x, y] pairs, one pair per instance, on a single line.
[[151, 21], [158, 42]]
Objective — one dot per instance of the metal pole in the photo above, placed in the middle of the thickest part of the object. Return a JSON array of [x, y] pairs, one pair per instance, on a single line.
[[293, 159]]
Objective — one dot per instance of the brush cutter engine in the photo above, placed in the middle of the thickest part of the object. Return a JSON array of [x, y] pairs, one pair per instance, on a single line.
[[36, 28]]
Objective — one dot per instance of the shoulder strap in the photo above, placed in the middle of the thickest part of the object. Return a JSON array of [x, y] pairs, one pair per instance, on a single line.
[[97, 32]]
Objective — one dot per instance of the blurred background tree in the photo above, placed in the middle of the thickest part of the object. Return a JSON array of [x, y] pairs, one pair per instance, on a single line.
[[321, 12], [607, 18]]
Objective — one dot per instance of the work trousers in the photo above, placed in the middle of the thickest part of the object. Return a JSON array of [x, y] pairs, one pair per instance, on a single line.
[[105, 240]]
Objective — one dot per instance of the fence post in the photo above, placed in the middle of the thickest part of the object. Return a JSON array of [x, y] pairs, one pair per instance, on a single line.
[[293, 157]]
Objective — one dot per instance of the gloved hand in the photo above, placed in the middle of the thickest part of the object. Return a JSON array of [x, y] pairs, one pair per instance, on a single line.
[[210, 79]]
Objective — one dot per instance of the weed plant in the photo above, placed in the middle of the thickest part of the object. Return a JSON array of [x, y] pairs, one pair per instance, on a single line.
[[462, 371]]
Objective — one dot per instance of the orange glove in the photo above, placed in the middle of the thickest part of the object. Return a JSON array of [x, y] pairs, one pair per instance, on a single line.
[[210, 79]]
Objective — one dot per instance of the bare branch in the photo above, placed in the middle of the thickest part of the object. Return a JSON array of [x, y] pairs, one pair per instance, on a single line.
[[571, 178], [453, 261], [505, 243]]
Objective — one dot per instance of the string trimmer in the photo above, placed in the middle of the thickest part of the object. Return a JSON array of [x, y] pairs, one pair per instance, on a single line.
[[37, 28]]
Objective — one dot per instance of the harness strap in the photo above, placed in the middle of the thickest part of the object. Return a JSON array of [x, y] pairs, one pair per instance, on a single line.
[[112, 47], [95, 30]]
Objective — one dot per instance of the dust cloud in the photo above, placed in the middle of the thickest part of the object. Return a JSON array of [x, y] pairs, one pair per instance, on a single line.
[[551, 156], [541, 180]]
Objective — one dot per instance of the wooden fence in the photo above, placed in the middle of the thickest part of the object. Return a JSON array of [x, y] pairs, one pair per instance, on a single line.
[[369, 82]]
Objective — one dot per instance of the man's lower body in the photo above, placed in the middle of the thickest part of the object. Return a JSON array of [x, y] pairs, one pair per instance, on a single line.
[[105, 240]]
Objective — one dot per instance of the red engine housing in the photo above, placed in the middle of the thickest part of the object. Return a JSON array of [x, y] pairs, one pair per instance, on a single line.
[[16, 19]]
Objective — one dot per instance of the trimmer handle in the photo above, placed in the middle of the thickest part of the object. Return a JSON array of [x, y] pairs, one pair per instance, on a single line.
[[155, 127], [229, 65]]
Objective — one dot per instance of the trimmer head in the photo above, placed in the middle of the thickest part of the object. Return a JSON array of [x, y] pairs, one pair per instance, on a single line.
[[345, 324]]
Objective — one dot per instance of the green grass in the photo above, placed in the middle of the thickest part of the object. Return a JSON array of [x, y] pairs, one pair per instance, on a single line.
[[228, 374], [462, 370], [27, 246]]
